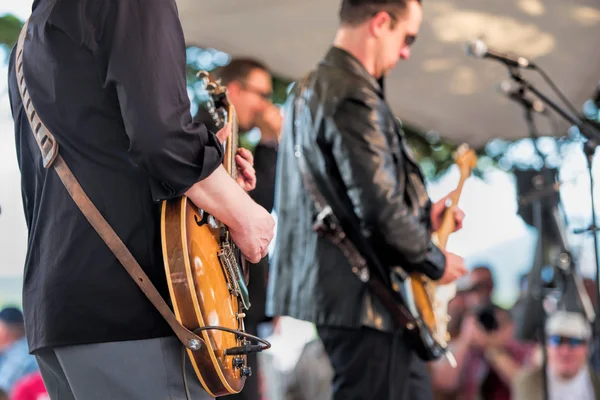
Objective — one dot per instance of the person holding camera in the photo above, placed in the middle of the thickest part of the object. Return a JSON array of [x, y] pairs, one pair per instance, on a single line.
[[486, 352]]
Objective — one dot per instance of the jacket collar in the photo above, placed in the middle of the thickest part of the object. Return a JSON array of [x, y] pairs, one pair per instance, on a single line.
[[340, 58]]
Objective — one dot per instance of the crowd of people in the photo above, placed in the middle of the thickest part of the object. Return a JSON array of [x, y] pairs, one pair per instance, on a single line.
[[20, 378]]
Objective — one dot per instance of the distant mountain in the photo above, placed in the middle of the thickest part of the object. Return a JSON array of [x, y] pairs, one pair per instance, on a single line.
[[10, 290]]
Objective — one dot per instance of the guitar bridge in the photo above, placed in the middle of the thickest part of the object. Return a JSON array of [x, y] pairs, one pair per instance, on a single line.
[[230, 264]]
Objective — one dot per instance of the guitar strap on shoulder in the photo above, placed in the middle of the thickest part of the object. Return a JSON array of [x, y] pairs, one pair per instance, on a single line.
[[52, 158], [327, 224]]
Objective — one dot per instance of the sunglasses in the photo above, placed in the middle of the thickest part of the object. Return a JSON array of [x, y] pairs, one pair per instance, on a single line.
[[249, 88], [556, 340], [409, 40]]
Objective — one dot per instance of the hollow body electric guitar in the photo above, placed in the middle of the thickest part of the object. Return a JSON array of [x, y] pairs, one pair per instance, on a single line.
[[206, 275], [429, 299]]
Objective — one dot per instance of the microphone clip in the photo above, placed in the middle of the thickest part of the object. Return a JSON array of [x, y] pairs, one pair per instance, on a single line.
[[519, 96]]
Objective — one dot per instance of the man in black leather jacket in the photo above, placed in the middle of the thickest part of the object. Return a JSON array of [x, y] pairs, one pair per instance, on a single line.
[[354, 147]]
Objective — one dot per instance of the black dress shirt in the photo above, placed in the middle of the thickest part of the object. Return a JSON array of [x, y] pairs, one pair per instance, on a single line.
[[107, 77]]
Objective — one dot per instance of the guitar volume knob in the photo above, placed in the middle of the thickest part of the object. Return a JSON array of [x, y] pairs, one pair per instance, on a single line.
[[238, 362]]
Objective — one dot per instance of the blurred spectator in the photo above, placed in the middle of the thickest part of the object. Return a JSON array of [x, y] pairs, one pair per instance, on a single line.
[[457, 307], [487, 355], [15, 360], [568, 372], [312, 375], [31, 387]]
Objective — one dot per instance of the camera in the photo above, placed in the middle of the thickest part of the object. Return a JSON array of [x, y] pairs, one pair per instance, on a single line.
[[486, 315]]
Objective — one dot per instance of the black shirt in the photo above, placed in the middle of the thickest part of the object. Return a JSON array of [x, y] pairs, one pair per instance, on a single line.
[[107, 77]]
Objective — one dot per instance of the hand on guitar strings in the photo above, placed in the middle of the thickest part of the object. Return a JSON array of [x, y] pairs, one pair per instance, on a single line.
[[438, 210], [455, 268], [244, 160], [246, 174], [254, 236]]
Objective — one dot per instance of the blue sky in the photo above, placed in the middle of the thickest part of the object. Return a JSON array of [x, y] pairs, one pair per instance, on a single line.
[[492, 233]]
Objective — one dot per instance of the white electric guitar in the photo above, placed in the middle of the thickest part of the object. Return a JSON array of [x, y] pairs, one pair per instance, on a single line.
[[430, 299]]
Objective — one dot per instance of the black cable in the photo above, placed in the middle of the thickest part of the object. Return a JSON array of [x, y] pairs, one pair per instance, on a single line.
[[556, 90], [232, 351]]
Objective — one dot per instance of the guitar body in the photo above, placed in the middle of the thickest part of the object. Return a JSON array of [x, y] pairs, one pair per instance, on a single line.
[[206, 275], [430, 300], [199, 285]]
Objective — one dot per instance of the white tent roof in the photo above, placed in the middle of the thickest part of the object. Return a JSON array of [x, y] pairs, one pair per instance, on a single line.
[[439, 88]]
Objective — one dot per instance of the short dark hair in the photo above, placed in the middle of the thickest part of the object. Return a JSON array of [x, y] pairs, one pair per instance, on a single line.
[[355, 12], [238, 69], [12, 317]]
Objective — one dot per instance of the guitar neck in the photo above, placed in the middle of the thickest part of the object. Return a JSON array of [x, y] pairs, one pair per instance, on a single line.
[[448, 223], [231, 145]]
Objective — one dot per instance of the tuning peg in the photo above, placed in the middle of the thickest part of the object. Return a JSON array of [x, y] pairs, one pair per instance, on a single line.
[[211, 87], [462, 149], [202, 74]]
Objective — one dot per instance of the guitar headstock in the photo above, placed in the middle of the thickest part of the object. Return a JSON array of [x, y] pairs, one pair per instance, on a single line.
[[465, 159], [218, 105]]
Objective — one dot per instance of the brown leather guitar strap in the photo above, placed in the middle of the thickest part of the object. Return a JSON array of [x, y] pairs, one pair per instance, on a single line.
[[51, 157]]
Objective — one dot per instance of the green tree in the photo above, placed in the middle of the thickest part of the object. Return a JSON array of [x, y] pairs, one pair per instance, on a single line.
[[10, 26]]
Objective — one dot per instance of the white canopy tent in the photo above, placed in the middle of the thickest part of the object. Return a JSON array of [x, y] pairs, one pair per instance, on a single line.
[[440, 88]]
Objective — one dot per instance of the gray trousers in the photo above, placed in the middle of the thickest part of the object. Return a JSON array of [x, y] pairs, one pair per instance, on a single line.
[[133, 370]]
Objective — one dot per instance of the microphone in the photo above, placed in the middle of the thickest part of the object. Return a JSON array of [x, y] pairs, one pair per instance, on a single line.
[[518, 96], [478, 48]]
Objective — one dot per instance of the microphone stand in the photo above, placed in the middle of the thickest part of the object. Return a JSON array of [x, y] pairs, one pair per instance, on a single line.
[[593, 228], [538, 222], [589, 149], [591, 133]]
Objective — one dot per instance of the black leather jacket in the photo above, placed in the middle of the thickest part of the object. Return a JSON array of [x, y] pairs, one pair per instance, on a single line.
[[355, 147]]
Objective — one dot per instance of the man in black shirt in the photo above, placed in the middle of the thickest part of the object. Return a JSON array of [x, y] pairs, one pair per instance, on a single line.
[[108, 80], [249, 88]]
